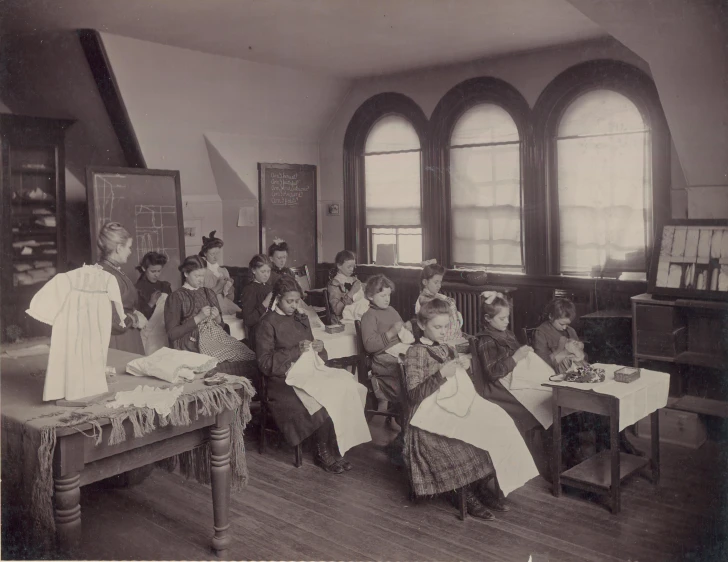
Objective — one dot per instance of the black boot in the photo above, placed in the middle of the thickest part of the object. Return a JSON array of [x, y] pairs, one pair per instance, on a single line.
[[489, 498], [323, 457], [334, 447], [472, 503]]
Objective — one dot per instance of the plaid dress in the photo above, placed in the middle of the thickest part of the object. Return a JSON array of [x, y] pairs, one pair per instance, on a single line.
[[437, 464]]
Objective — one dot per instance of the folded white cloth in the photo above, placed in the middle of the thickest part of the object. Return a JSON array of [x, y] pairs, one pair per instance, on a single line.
[[484, 425], [405, 336], [161, 399], [171, 365], [355, 311], [338, 392]]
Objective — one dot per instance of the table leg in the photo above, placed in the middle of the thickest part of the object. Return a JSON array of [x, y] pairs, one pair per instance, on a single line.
[[220, 479], [614, 449], [556, 453], [67, 507], [655, 460]]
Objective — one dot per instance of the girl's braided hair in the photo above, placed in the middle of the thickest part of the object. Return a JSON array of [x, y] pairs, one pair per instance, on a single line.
[[285, 284]]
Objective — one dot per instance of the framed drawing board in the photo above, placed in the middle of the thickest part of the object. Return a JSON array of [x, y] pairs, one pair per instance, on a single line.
[[691, 260]]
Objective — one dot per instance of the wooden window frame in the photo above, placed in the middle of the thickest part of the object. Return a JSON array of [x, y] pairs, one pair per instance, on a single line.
[[636, 86], [361, 123]]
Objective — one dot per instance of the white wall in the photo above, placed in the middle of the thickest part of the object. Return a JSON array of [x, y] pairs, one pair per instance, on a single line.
[[529, 73], [250, 113]]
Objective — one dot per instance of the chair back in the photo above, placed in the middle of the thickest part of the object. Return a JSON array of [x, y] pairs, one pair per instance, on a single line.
[[528, 335], [300, 273], [364, 360], [404, 403], [319, 300]]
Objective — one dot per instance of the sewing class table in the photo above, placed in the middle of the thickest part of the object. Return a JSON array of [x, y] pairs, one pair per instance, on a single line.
[[339, 345], [624, 404], [78, 461]]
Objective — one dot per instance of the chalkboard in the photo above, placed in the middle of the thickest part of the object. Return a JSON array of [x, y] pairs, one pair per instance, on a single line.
[[149, 205], [288, 210]]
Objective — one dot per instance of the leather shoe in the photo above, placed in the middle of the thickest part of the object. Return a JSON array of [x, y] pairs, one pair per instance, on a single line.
[[346, 465], [490, 501], [477, 509]]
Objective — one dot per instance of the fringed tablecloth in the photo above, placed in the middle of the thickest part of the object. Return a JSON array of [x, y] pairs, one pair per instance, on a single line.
[[30, 428]]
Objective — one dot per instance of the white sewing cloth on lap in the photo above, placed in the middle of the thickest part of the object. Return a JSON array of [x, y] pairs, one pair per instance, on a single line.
[[171, 365], [355, 311], [482, 424], [525, 384], [338, 392]]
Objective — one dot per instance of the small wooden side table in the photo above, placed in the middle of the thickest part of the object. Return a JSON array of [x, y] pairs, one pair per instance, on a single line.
[[603, 472]]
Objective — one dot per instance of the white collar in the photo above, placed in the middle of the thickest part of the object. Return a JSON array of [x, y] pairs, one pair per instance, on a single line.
[[189, 287], [344, 278], [214, 267], [427, 341], [279, 311]]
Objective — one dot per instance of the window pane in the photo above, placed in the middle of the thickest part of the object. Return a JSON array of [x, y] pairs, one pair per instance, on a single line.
[[392, 133], [484, 124], [393, 189], [485, 185], [410, 245], [604, 183], [382, 236]]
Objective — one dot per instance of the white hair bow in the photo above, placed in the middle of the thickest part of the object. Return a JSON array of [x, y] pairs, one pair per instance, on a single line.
[[429, 262], [490, 296], [278, 240]]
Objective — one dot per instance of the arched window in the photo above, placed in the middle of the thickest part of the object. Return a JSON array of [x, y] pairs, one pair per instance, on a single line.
[[604, 172], [485, 189], [603, 138], [392, 164]]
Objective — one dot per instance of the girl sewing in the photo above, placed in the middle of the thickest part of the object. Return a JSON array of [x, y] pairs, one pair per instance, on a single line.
[[278, 254], [114, 243], [149, 286], [380, 329], [256, 296], [469, 456], [217, 277], [430, 284], [344, 288], [282, 336], [193, 320]]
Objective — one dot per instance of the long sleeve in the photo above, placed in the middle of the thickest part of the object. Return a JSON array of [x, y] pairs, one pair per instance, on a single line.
[[176, 327], [374, 333], [421, 382], [252, 305], [542, 348], [497, 361], [338, 298], [215, 283], [273, 361]]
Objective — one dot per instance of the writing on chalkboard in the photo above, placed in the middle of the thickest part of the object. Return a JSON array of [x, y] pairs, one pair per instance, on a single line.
[[285, 189]]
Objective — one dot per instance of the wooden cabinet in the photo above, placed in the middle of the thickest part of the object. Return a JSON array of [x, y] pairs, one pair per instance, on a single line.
[[33, 235]]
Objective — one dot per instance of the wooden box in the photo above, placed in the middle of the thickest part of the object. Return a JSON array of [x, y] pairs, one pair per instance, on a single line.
[[676, 427], [663, 344], [335, 328], [627, 374]]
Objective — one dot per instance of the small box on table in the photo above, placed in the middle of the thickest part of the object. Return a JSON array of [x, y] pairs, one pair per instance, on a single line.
[[627, 374], [334, 328]]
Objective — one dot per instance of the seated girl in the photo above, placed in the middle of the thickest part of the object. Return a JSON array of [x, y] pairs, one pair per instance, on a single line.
[[217, 277], [149, 286], [193, 320], [344, 288], [256, 296], [430, 284], [380, 328], [467, 455], [282, 336], [278, 254], [558, 344]]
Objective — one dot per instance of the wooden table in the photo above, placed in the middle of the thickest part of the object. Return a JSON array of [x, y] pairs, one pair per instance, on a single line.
[[78, 461], [604, 472]]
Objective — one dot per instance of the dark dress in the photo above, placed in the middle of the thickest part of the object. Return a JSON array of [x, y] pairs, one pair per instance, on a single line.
[[146, 289], [277, 272], [546, 342], [436, 463], [179, 320], [339, 297], [251, 302], [277, 338], [127, 338]]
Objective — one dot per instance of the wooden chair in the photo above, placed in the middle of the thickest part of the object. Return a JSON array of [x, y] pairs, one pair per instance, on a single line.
[[316, 298], [364, 364], [298, 459], [527, 334], [406, 410]]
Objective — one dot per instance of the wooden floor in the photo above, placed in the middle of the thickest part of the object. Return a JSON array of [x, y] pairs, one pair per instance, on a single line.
[[306, 514]]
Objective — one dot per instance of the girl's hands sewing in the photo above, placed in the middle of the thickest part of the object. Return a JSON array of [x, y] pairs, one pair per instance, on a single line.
[[317, 346], [355, 288], [464, 362], [449, 369], [214, 312], [154, 298], [204, 313], [521, 353], [394, 330], [304, 346]]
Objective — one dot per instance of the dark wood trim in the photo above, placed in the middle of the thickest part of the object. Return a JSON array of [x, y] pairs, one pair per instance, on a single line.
[[550, 107], [108, 87], [364, 118], [451, 107]]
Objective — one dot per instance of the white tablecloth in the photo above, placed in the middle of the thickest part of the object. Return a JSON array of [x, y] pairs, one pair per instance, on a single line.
[[237, 326], [637, 399], [341, 344]]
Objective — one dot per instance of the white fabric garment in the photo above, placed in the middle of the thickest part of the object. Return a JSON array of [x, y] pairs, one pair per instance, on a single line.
[[524, 383], [482, 424], [78, 306], [215, 268], [161, 399], [154, 334], [344, 279], [338, 392], [171, 365], [355, 311]]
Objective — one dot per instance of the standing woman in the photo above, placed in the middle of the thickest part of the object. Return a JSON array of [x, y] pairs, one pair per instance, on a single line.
[[217, 277], [278, 254], [114, 243]]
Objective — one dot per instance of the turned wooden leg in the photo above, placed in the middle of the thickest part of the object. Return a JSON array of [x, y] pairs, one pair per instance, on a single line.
[[655, 460], [556, 453], [67, 500], [462, 507], [614, 446], [220, 474]]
